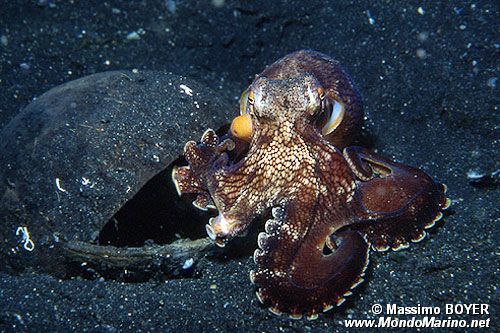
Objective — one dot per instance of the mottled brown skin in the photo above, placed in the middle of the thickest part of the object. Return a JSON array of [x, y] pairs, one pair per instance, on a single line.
[[328, 206]]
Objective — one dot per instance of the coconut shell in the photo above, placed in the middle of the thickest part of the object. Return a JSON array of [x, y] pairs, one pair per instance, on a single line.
[[77, 153]]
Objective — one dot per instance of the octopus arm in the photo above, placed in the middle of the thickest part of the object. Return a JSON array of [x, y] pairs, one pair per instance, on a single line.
[[187, 182], [203, 158], [395, 202], [305, 267]]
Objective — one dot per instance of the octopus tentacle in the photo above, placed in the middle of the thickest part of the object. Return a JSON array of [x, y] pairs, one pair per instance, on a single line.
[[204, 202], [204, 155], [294, 272], [186, 181], [209, 153], [397, 202]]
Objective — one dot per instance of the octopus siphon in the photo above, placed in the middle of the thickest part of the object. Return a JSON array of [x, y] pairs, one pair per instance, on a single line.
[[286, 158]]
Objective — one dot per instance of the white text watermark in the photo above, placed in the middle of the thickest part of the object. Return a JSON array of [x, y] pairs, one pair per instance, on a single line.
[[456, 315]]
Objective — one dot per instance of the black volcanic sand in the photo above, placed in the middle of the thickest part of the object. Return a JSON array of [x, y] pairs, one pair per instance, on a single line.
[[428, 78]]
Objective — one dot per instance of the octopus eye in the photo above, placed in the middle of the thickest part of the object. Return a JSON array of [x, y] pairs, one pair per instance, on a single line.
[[335, 115], [330, 116], [243, 102], [321, 93], [250, 98], [246, 102]]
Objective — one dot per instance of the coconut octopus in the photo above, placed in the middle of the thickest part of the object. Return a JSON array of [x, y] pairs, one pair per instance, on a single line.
[[286, 158]]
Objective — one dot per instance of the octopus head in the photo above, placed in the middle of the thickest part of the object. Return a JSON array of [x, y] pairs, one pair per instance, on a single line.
[[299, 102]]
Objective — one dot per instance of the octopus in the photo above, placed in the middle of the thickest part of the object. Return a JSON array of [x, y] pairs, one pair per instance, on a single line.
[[287, 159]]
